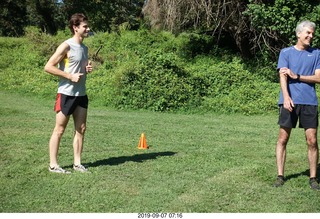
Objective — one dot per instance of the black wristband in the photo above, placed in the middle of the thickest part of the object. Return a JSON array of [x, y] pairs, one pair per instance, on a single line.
[[298, 77]]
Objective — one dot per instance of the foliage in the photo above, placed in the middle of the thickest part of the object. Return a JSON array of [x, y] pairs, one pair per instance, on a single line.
[[47, 15], [46, 44], [219, 18], [255, 28], [53, 15], [106, 15], [250, 27], [226, 86], [22, 67], [150, 70], [194, 44], [157, 71], [274, 24], [158, 83], [13, 16]]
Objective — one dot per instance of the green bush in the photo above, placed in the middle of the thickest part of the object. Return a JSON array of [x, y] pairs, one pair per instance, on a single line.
[[275, 21], [156, 82], [228, 87], [22, 68], [45, 44], [147, 70]]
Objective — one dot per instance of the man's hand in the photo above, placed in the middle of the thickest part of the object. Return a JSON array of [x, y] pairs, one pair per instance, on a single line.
[[75, 77], [288, 104], [288, 72]]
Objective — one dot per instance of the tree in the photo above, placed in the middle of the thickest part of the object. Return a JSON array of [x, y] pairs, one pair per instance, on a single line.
[[53, 15], [222, 19], [273, 24], [105, 15], [13, 17], [46, 14], [252, 25]]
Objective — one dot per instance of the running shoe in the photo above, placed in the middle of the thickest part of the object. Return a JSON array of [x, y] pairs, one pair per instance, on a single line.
[[314, 184], [58, 170], [80, 168], [279, 182]]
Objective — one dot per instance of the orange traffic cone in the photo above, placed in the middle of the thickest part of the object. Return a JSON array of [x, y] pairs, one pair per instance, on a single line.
[[143, 142]]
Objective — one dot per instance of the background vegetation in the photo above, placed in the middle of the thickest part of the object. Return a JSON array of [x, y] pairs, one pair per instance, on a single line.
[[213, 59], [190, 56], [147, 70], [249, 27]]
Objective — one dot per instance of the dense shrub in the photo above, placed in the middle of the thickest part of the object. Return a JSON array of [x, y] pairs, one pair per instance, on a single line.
[[22, 68], [148, 70], [228, 87], [273, 23], [157, 82]]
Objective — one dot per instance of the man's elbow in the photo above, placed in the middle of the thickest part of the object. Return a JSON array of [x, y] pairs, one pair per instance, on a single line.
[[47, 68], [283, 76]]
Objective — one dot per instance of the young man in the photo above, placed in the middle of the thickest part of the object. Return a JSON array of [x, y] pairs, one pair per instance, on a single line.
[[71, 57], [299, 70]]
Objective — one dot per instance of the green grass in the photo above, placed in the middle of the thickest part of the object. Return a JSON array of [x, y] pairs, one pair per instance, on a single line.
[[196, 163]]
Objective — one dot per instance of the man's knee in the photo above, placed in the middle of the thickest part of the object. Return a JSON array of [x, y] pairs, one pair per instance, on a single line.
[[59, 131], [282, 141], [312, 143], [81, 129], [311, 138]]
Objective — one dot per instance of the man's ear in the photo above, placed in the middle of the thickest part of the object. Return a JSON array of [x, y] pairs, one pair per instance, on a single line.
[[298, 35]]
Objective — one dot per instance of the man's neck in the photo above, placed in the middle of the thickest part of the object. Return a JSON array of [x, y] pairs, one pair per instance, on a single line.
[[299, 46], [78, 39]]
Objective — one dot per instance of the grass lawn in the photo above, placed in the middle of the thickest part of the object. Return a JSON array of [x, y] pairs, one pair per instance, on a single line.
[[195, 164]]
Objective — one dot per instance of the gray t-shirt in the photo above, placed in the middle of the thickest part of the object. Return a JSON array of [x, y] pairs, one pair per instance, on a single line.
[[76, 63]]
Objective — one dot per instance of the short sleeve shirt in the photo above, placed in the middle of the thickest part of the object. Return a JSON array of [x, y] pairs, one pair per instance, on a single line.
[[302, 62]]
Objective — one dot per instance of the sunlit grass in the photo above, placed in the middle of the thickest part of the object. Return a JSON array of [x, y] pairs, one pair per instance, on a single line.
[[195, 163]]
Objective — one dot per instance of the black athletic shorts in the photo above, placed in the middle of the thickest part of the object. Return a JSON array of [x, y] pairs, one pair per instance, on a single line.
[[307, 115], [67, 104]]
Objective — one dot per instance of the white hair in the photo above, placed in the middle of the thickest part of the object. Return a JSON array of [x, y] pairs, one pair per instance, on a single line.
[[304, 24]]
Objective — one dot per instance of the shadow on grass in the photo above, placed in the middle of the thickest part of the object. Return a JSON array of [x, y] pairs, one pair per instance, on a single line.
[[134, 158], [304, 173]]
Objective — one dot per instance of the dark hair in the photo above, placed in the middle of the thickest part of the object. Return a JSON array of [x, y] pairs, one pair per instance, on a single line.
[[76, 19]]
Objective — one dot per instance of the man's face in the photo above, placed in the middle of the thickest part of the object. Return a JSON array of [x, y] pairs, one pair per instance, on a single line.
[[82, 30], [305, 37]]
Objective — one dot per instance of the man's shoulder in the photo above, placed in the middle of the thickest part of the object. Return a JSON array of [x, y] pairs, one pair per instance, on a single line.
[[313, 50], [288, 49], [69, 41]]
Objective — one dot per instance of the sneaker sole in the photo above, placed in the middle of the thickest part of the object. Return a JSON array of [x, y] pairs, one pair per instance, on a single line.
[[55, 171]]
